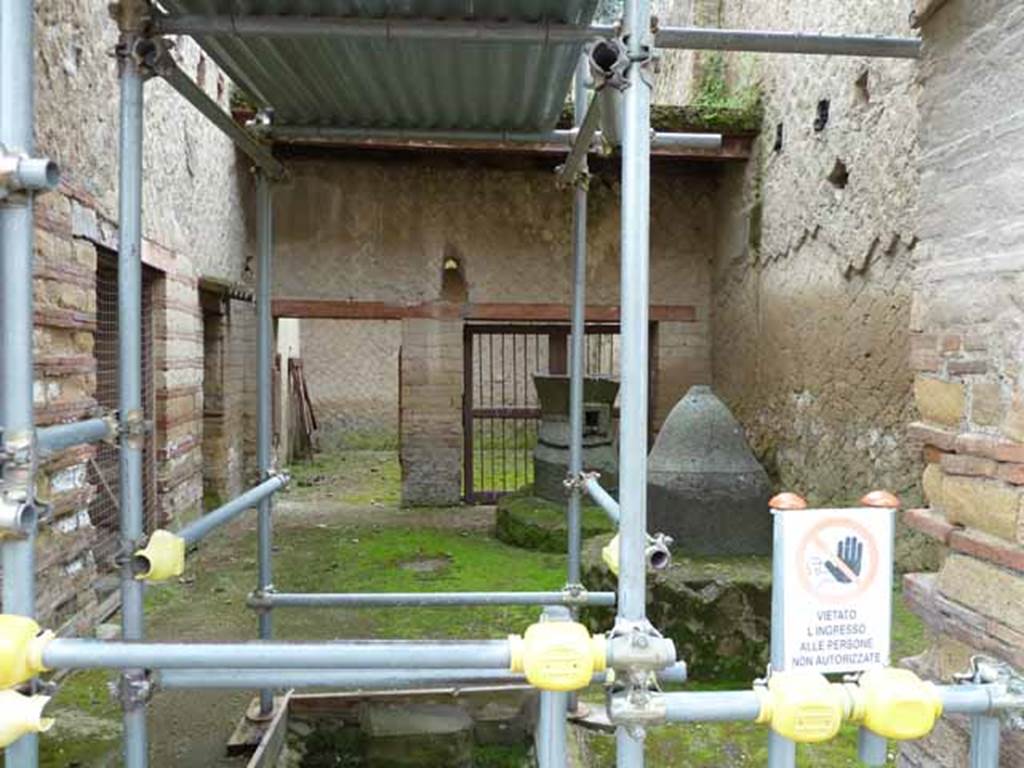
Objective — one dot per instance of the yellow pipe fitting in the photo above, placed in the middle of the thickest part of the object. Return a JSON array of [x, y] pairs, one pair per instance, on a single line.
[[802, 706], [557, 655], [163, 557], [21, 649], [20, 715], [610, 555], [895, 704]]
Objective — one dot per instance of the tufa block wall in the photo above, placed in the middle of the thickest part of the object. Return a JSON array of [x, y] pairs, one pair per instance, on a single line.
[[966, 351]]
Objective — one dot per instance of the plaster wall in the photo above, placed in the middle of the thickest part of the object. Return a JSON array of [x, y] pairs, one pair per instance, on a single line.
[[816, 243]]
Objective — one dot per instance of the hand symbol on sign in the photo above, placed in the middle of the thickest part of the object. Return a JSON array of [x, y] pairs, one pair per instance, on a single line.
[[850, 554]]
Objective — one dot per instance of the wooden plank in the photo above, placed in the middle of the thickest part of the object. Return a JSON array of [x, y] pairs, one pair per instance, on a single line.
[[269, 748], [341, 309]]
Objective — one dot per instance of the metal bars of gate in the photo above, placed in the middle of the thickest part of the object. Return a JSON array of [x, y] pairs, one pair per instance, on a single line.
[[500, 408]]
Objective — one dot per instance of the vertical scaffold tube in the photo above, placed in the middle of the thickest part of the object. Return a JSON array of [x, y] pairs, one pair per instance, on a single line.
[[16, 118], [577, 336], [636, 147], [985, 741], [264, 339], [129, 324], [781, 751]]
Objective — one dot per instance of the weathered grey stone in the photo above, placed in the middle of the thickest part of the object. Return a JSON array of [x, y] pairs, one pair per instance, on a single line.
[[551, 456], [705, 488]]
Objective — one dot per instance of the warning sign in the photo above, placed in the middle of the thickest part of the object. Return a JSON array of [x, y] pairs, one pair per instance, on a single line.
[[836, 590]]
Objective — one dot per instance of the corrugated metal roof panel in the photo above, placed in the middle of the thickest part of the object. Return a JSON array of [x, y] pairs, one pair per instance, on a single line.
[[410, 84]]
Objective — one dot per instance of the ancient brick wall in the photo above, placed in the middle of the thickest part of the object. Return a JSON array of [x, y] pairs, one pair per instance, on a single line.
[[195, 201], [816, 237], [967, 325]]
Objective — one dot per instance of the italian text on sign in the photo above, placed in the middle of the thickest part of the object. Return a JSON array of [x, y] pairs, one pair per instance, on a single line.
[[837, 587]]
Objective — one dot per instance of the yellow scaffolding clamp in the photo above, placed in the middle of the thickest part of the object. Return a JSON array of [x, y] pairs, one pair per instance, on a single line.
[[20, 715], [802, 706], [21, 649], [558, 655], [894, 703], [162, 558]]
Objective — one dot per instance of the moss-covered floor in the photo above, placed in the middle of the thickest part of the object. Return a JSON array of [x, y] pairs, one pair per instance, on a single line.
[[339, 529]]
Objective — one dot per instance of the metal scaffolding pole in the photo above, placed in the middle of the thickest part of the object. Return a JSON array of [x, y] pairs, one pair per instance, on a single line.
[[61, 436], [17, 549], [428, 599], [985, 741], [165, 66], [577, 329], [781, 751], [264, 459], [70, 653], [696, 141], [205, 525], [129, 323], [370, 679], [635, 289], [130, 393]]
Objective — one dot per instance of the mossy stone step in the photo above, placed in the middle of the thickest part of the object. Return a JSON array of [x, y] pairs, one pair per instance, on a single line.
[[530, 522]]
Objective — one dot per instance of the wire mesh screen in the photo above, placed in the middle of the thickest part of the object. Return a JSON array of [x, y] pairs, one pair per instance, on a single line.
[[104, 472], [501, 413]]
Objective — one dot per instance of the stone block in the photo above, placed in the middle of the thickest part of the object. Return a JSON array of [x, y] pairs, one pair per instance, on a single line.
[[988, 589], [943, 439], [931, 481], [987, 505], [1013, 424], [986, 403], [938, 401], [965, 464], [991, 447]]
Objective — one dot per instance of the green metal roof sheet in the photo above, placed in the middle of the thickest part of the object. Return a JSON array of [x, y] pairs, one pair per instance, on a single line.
[[401, 84]]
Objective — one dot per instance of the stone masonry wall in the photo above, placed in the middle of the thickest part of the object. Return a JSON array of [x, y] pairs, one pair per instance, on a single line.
[[195, 198], [380, 230], [968, 325], [816, 237], [351, 369]]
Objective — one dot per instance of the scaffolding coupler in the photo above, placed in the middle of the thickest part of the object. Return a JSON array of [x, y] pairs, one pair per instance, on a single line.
[[21, 649], [1005, 686], [657, 553], [161, 559], [557, 655], [20, 715], [20, 173]]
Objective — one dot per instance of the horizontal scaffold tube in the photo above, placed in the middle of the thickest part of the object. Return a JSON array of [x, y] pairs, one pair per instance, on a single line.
[[60, 436], [711, 141], [66, 653], [724, 706], [378, 679], [427, 599], [199, 529], [692, 38]]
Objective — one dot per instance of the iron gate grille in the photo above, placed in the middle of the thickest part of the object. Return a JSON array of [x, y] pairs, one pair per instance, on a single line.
[[500, 409]]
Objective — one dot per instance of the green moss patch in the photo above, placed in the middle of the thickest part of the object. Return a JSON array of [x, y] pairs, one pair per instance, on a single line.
[[527, 521]]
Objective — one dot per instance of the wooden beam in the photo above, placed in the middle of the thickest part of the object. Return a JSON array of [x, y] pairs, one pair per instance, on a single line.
[[343, 309]]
